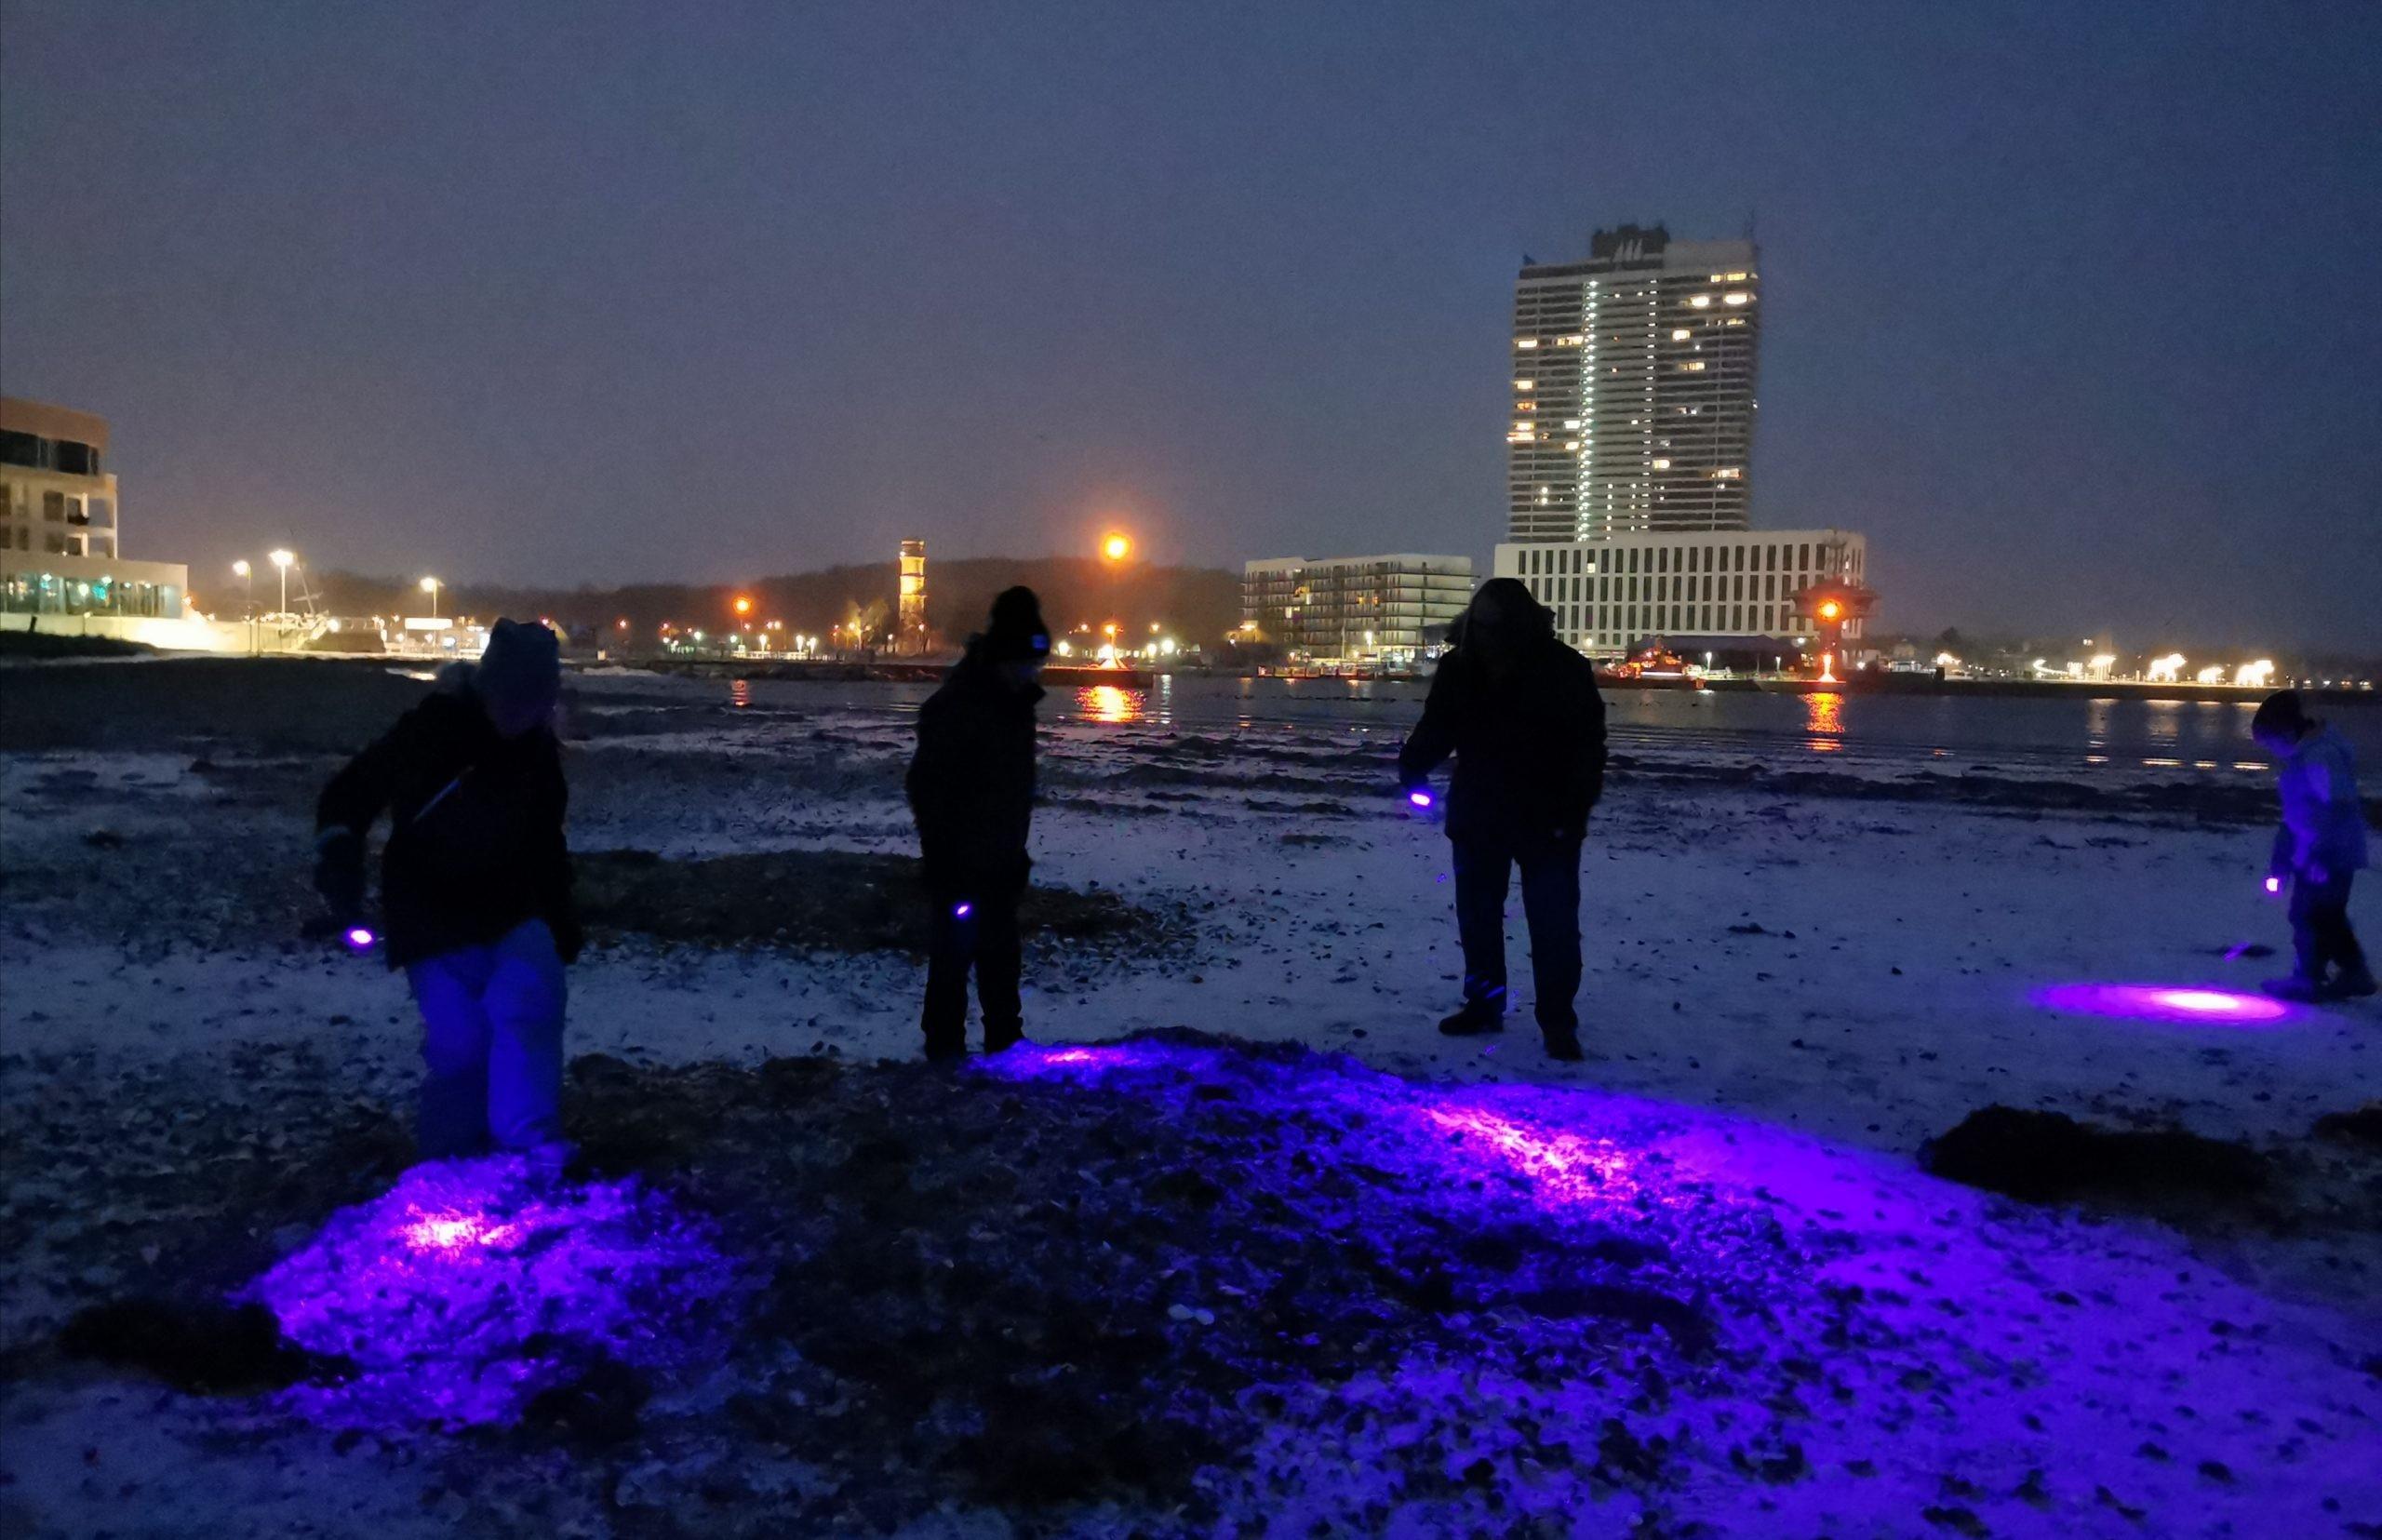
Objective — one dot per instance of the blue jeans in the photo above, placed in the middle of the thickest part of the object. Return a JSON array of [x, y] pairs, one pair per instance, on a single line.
[[491, 1044]]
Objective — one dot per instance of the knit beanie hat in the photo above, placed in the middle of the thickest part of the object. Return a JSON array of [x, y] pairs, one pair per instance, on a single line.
[[519, 678], [1017, 633]]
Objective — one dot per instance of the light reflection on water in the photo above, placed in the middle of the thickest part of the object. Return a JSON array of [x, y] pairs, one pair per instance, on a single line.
[[1109, 703], [1984, 733], [1824, 718]]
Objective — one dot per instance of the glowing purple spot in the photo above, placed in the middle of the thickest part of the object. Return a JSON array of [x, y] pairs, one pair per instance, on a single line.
[[2274, 884], [471, 1286], [1420, 797], [961, 911], [360, 937], [2161, 1003]]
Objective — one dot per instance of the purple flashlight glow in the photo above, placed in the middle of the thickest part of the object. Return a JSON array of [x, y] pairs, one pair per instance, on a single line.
[[1419, 798], [961, 911], [361, 938], [471, 1286], [2148, 1002], [2274, 884]]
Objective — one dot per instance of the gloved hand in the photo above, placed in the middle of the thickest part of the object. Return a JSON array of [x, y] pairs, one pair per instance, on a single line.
[[338, 872]]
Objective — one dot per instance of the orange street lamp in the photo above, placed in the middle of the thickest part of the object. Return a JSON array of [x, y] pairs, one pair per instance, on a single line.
[[743, 606], [1117, 546], [1830, 610]]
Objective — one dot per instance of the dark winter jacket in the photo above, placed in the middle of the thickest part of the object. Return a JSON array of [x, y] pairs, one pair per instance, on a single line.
[[971, 780], [2323, 819], [475, 838], [1522, 715]]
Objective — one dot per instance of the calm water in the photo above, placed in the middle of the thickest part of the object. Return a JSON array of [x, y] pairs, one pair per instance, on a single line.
[[2079, 736]]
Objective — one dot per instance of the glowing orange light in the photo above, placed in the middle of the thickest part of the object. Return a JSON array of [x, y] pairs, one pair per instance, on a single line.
[[744, 607], [1116, 547], [1110, 629], [1830, 610]]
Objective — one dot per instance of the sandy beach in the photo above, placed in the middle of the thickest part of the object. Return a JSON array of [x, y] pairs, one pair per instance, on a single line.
[[1742, 1306]]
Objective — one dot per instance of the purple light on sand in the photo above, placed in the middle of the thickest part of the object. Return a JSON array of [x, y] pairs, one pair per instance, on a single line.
[[471, 1286], [1420, 798], [360, 937], [2163, 1003]]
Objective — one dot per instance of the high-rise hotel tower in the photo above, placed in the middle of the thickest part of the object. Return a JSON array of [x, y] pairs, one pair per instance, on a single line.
[[1634, 389]]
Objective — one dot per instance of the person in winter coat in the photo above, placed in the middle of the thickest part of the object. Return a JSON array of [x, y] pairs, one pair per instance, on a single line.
[[476, 888], [971, 792], [2319, 850], [1522, 715]]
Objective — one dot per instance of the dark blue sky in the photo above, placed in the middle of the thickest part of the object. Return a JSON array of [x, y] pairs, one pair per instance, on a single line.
[[2075, 309]]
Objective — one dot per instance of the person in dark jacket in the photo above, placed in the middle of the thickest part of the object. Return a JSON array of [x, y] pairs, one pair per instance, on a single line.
[[1522, 715], [972, 791], [2319, 850], [476, 888]]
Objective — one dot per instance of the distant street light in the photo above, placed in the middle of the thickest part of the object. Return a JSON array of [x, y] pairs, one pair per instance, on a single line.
[[246, 575], [1117, 546], [430, 587], [743, 606], [282, 559]]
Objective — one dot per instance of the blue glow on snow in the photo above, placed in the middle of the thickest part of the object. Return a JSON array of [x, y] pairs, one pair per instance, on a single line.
[[2150, 1002], [471, 1286]]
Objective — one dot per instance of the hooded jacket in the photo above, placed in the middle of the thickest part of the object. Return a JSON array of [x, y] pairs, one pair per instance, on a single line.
[[2323, 820], [475, 838], [1522, 715], [971, 780]]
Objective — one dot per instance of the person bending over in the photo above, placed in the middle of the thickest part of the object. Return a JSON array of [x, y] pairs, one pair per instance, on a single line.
[[476, 888], [1522, 715], [971, 792], [2319, 849]]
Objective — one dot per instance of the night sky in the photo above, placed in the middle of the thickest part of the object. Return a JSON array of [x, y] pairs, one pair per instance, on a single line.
[[2075, 309]]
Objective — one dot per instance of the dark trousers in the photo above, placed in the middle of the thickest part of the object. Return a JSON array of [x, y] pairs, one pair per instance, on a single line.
[[985, 937], [1551, 904], [2320, 924]]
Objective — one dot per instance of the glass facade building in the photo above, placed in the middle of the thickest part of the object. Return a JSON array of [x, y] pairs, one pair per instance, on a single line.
[[61, 548], [1633, 388], [1354, 609]]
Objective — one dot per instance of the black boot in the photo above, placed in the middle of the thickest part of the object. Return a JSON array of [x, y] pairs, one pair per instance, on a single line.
[[1477, 1017], [942, 1050], [1562, 1042], [1005, 1035]]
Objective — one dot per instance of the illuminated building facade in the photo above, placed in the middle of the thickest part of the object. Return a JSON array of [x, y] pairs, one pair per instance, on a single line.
[[60, 538], [912, 610], [1354, 609], [1610, 594], [1633, 388]]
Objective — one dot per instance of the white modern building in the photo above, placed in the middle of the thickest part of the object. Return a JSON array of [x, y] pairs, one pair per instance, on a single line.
[[1354, 609], [62, 542], [1633, 388], [1608, 595]]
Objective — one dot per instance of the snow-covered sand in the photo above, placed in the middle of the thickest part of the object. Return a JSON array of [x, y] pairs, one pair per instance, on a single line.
[[1857, 972]]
